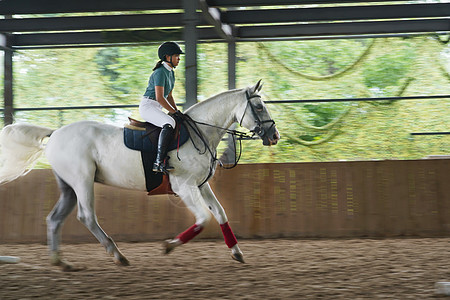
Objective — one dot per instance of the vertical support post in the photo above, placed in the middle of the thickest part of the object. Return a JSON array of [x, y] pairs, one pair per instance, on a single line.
[[8, 112], [190, 38], [231, 65], [229, 155]]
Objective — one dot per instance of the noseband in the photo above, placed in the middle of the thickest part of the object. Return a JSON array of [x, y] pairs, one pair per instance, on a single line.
[[259, 129]]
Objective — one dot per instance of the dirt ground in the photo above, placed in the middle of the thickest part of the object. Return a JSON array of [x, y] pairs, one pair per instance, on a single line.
[[274, 269]]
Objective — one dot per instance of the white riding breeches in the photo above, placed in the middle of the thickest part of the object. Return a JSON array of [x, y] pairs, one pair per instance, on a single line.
[[151, 111]]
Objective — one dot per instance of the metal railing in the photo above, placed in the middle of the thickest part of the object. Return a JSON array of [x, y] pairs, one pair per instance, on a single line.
[[267, 102], [421, 97]]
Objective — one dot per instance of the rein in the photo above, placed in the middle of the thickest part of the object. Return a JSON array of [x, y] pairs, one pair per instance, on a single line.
[[193, 125]]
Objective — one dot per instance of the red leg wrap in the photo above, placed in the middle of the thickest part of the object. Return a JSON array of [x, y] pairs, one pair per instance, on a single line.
[[190, 233], [228, 235]]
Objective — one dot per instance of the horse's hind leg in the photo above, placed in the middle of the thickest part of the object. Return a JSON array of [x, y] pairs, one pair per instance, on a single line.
[[64, 206], [86, 215]]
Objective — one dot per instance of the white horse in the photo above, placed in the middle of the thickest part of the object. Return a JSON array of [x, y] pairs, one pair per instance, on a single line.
[[86, 152]]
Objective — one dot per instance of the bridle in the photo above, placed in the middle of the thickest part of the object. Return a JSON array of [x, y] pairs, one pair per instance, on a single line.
[[259, 130]]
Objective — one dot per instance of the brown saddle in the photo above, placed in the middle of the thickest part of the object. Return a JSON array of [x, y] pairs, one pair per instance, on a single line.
[[150, 128], [139, 124]]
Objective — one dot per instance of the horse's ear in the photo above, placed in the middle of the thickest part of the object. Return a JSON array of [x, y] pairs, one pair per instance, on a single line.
[[257, 87]]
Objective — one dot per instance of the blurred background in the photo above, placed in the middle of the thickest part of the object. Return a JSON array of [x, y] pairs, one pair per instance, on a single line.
[[360, 92], [331, 70]]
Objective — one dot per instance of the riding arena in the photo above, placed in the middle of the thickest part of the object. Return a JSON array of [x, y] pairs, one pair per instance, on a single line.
[[83, 216]]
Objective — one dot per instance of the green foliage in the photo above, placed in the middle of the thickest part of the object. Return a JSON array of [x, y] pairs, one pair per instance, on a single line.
[[318, 58], [388, 69], [125, 71], [322, 114], [353, 130], [106, 59]]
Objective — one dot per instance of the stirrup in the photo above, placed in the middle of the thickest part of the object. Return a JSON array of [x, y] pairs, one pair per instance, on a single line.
[[162, 168]]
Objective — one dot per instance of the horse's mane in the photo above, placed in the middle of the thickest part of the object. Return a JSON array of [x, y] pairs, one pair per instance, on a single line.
[[213, 98]]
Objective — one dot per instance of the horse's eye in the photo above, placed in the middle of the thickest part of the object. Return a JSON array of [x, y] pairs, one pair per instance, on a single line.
[[259, 107]]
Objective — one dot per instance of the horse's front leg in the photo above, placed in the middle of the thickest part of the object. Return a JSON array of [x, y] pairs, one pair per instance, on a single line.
[[221, 217], [192, 198]]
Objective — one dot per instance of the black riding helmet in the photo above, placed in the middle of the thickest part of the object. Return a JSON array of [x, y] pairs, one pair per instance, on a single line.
[[168, 48]]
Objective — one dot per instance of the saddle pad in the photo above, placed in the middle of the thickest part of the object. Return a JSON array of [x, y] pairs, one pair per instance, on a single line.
[[140, 140], [148, 142], [152, 179]]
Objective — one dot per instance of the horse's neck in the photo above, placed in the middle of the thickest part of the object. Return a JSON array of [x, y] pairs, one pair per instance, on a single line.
[[218, 111]]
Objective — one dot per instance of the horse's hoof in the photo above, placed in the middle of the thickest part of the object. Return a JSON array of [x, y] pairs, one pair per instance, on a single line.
[[169, 245], [69, 268], [238, 257], [66, 267], [121, 261]]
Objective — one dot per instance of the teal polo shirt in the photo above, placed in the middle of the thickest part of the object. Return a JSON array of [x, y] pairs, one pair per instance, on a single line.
[[160, 77]]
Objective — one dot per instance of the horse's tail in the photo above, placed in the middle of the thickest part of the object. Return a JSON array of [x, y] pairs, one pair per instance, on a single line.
[[20, 146]]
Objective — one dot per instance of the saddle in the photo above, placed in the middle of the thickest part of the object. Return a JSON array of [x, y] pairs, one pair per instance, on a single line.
[[143, 137]]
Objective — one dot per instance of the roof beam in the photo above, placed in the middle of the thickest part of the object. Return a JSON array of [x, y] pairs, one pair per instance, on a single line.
[[214, 17], [245, 3], [326, 30], [92, 22], [347, 13], [96, 38], [12, 7], [49, 40], [347, 28], [231, 17]]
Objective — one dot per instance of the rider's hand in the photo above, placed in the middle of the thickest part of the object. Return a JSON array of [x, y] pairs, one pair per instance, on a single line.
[[177, 114]]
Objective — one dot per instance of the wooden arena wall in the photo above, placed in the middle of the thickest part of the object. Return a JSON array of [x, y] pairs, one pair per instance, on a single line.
[[292, 200]]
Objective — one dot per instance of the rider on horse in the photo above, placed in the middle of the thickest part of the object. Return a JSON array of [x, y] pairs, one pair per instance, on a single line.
[[158, 95]]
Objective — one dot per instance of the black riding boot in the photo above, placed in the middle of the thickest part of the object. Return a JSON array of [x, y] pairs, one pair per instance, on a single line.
[[165, 137]]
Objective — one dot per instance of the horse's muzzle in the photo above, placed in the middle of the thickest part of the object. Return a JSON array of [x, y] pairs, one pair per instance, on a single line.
[[272, 139]]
